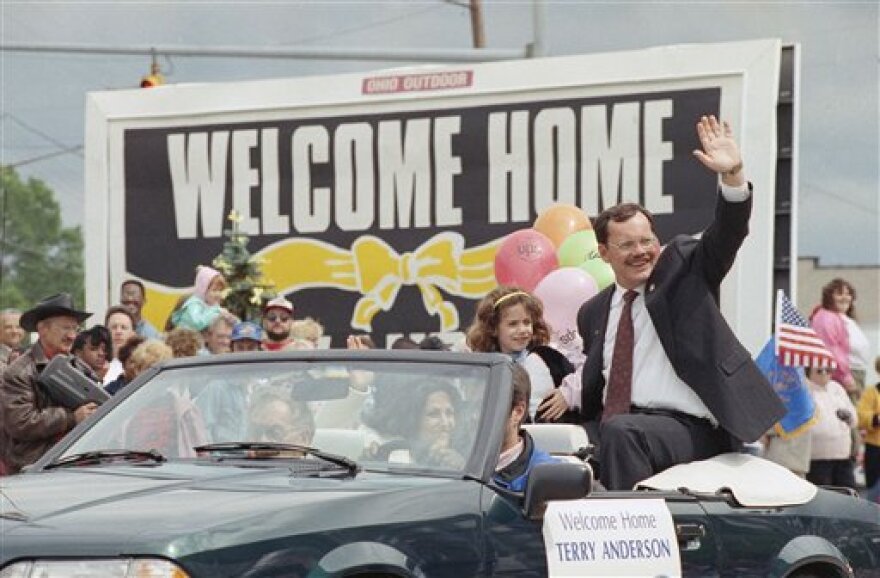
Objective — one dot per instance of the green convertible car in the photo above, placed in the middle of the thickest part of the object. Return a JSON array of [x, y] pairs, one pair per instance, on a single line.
[[381, 463]]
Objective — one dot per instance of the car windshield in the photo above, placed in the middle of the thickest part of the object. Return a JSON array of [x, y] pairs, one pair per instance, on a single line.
[[380, 415]]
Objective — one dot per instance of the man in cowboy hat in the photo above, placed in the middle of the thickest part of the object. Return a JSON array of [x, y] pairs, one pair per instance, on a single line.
[[32, 423]]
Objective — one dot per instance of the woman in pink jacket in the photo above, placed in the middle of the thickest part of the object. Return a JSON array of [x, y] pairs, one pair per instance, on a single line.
[[834, 321]]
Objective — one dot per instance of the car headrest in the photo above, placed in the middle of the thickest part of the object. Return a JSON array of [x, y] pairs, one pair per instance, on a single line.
[[558, 439], [346, 442], [753, 481]]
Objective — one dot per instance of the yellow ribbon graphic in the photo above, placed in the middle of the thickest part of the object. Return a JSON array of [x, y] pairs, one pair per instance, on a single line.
[[372, 268]]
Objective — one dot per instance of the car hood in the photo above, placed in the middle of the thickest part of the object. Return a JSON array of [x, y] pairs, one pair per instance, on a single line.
[[117, 507]]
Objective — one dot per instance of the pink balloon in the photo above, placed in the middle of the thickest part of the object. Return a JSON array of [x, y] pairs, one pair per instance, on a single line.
[[563, 292], [524, 258]]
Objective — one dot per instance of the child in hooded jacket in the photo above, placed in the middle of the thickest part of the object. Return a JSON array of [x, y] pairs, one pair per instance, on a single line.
[[203, 306]]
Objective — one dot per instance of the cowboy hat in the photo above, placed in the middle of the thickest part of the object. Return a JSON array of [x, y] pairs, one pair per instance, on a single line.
[[54, 306]]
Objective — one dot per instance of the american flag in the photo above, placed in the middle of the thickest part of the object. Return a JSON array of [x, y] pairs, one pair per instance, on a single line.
[[797, 345]]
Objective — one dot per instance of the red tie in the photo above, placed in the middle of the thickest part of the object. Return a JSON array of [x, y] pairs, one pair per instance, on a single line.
[[619, 393]]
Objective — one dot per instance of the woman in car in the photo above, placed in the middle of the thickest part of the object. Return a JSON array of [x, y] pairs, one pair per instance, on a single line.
[[418, 419], [434, 440]]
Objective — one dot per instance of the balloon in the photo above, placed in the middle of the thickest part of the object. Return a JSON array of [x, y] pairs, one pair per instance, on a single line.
[[563, 292], [559, 221], [523, 259], [577, 248], [599, 270]]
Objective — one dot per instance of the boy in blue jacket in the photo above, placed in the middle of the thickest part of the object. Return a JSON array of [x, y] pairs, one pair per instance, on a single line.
[[518, 452]]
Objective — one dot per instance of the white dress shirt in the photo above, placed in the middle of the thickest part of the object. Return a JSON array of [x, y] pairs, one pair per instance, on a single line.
[[654, 383]]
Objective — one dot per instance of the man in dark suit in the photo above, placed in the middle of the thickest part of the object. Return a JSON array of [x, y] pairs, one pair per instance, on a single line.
[[666, 381]]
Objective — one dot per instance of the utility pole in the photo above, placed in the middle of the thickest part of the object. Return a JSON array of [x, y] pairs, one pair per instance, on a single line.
[[537, 47], [477, 24]]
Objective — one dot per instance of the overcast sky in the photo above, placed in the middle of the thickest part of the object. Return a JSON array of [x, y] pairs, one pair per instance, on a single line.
[[43, 95]]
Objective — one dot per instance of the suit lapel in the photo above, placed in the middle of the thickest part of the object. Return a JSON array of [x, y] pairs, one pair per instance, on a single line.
[[655, 301], [600, 328], [595, 325]]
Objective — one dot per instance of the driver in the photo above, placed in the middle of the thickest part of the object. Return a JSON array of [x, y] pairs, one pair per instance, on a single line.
[[277, 418]]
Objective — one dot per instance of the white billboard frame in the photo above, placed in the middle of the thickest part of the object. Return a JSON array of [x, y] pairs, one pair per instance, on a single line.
[[747, 73]]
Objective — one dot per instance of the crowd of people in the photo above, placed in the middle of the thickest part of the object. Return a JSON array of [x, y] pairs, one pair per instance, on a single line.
[[847, 425], [844, 436], [661, 380]]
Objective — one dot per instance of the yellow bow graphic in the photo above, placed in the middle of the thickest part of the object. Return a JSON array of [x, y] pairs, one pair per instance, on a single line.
[[377, 272]]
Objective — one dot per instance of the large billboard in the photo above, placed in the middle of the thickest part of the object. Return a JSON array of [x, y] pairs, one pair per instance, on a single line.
[[378, 200]]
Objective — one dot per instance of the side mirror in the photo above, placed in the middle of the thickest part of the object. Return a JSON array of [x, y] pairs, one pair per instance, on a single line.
[[555, 481]]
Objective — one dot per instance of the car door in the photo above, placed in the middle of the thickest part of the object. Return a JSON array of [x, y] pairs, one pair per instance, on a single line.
[[698, 545], [515, 545]]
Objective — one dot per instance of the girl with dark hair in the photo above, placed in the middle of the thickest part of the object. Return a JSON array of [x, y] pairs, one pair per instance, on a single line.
[[510, 320]]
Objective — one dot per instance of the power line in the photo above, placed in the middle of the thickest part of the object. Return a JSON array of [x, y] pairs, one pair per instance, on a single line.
[[70, 150], [374, 24], [290, 52], [64, 147], [822, 191]]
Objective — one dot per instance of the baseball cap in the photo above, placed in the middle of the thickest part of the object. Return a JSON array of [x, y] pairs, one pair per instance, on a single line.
[[246, 330], [279, 303]]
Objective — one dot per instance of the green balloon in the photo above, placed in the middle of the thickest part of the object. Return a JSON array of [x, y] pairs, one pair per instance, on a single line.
[[599, 270], [576, 248]]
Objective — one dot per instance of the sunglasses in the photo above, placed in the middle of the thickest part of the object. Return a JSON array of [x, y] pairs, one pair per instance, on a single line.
[[822, 370], [273, 317]]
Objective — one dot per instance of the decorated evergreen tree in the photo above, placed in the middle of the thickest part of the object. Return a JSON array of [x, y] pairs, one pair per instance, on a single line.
[[246, 288]]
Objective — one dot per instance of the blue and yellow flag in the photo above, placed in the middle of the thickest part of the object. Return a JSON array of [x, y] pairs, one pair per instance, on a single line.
[[788, 382]]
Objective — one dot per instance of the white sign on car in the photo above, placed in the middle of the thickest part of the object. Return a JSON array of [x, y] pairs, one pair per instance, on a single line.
[[610, 538]]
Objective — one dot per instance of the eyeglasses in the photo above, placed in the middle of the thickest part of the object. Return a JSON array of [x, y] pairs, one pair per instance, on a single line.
[[273, 317], [644, 244], [68, 327], [822, 370]]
